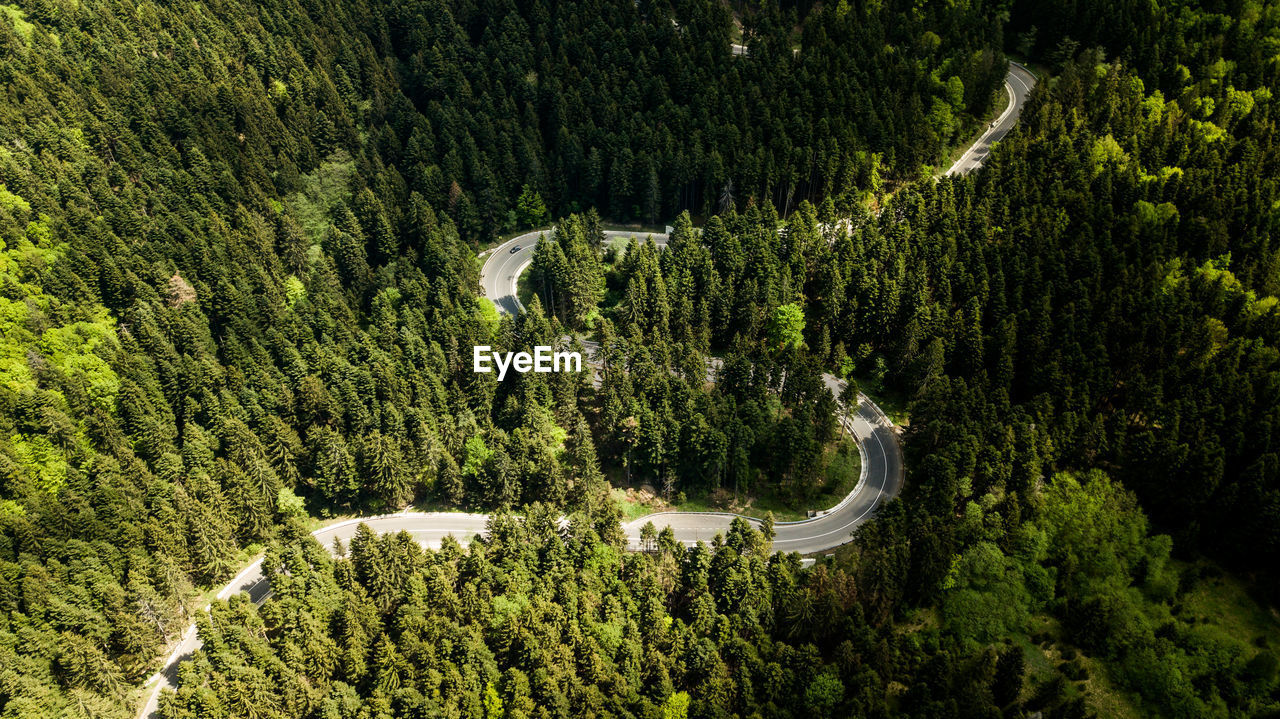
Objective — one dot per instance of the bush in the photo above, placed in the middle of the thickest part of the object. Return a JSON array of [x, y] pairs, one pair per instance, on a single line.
[[1074, 670]]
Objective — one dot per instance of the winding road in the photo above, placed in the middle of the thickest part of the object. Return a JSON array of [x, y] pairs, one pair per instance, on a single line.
[[880, 480], [882, 470], [1017, 84]]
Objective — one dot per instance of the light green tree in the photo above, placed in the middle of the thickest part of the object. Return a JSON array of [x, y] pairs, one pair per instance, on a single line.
[[786, 327], [823, 694], [676, 706], [492, 702], [955, 92]]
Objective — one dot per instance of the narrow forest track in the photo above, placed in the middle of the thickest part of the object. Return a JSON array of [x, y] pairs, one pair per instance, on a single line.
[[882, 469]]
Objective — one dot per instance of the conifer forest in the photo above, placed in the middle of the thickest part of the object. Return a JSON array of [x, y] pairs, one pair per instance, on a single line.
[[931, 359]]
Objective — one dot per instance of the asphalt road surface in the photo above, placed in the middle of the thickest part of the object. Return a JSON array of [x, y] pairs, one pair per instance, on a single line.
[[504, 265], [1017, 84], [880, 480], [429, 528], [882, 471]]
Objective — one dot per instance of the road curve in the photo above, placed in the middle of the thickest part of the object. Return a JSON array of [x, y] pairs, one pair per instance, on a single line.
[[882, 469], [505, 263], [429, 528], [1017, 84], [880, 481]]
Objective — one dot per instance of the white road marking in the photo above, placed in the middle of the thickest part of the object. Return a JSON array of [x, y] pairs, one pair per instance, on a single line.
[[970, 160]]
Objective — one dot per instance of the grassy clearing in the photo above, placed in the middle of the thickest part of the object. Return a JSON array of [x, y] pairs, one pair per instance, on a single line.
[[488, 314], [1223, 609], [618, 245], [1103, 695], [893, 402], [843, 465], [631, 509], [640, 229], [1052, 656], [523, 291], [1220, 608], [638, 504]]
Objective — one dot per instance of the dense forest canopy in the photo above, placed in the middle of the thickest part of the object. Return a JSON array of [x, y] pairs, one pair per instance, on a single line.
[[239, 288]]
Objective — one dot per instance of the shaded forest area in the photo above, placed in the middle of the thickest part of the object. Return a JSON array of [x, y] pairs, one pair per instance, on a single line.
[[238, 285], [640, 110]]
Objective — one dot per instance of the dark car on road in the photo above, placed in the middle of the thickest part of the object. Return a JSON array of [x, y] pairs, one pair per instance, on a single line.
[[515, 249]]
